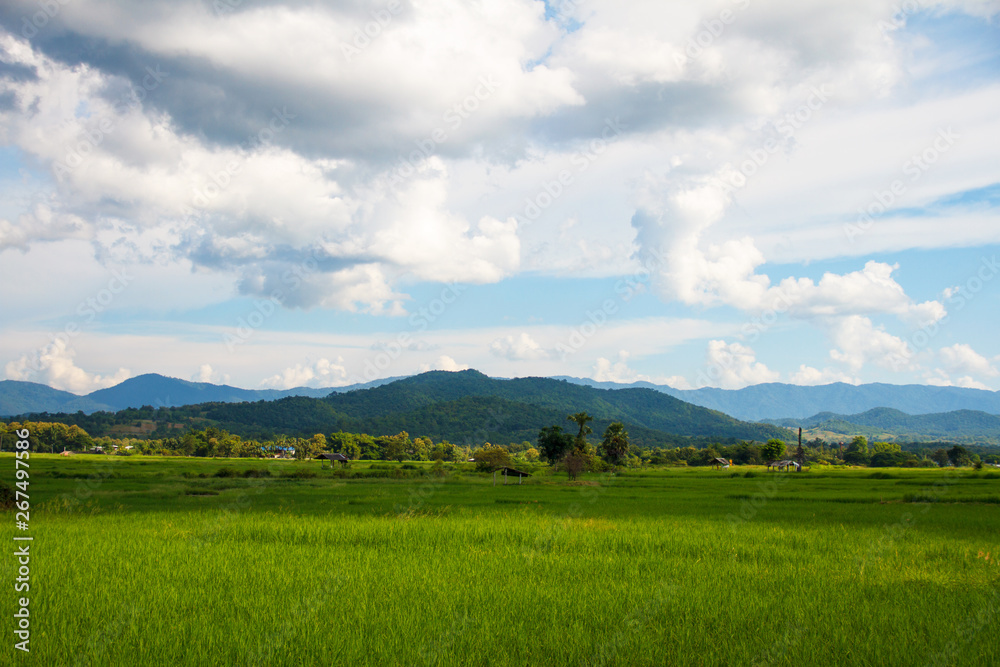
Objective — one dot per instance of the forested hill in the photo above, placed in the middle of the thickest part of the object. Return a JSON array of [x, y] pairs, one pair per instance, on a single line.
[[469, 406], [964, 426]]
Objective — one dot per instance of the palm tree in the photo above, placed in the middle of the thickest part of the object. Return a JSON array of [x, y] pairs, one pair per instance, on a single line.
[[615, 443], [581, 418]]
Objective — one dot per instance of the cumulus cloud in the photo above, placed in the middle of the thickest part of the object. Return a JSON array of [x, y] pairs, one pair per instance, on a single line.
[[259, 208], [734, 366], [809, 376], [444, 363], [859, 342], [208, 374], [940, 378], [518, 348], [321, 373], [618, 371], [54, 365], [961, 358], [41, 224], [180, 134]]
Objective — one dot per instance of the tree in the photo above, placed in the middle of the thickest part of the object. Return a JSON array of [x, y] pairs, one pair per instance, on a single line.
[[885, 447], [940, 457], [614, 447], [575, 463], [553, 443], [306, 449], [395, 447], [581, 418], [859, 444], [772, 450], [490, 458], [959, 456], [857, 452], [318, 443]]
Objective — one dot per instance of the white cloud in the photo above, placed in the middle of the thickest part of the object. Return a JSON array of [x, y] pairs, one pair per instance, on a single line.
[[961, 358], [207, 374], [444, 363], [859, 343], [605, 370], [734, 366], [53, 365], [42, 224], [322, 373], [518, 348], [940, 378], [809, 376]]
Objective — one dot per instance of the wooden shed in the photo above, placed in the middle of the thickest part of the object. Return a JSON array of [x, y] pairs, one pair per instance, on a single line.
[[509, 471], [334, 457]]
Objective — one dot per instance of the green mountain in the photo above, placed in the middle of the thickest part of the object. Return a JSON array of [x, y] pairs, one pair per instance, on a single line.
[[965, 426], [468, 406]]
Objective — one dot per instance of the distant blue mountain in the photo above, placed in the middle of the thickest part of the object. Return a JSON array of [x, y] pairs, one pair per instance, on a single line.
[[18, 398], [969, 426], [779, 401]]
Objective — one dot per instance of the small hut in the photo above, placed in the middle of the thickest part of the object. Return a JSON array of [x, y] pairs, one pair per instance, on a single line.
[[65, 452], [721, 463], [509, 471], [340, 458], [785, 465]]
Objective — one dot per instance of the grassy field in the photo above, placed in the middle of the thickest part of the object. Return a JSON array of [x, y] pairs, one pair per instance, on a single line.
[[157, 561]]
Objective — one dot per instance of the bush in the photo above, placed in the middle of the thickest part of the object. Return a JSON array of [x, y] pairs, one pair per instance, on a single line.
[[225, 472], [7, 496], [256, 472], [298, 474]]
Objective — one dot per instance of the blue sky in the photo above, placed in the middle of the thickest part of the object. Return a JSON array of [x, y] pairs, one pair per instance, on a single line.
[[696, 193]]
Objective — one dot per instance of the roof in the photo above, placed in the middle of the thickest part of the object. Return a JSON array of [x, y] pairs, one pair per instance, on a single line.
[[512, 471], [333, 457], [723, 461]]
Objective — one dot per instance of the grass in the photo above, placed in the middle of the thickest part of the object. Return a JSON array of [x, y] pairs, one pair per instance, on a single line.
[[144, 561]]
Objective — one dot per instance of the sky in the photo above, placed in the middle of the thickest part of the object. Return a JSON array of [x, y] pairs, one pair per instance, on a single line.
[[713, 193]]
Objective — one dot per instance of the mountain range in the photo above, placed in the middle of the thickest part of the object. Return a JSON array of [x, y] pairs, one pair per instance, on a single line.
[[760, 402], [963, 426], [464, 407], [780, 401], [17, 398], [468, 406]]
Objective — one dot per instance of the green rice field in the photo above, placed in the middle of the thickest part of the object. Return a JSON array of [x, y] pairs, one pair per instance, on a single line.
[[182, 561]]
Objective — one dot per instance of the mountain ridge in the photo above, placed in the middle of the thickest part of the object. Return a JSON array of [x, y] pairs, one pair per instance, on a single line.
[[19, 397], [776, 400]]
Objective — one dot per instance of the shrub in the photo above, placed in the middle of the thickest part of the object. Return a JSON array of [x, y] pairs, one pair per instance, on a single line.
[[298, 474], [225, 472], [7, 496]]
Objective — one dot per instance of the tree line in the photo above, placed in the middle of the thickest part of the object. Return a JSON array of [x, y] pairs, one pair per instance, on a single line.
[[573, 452]]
